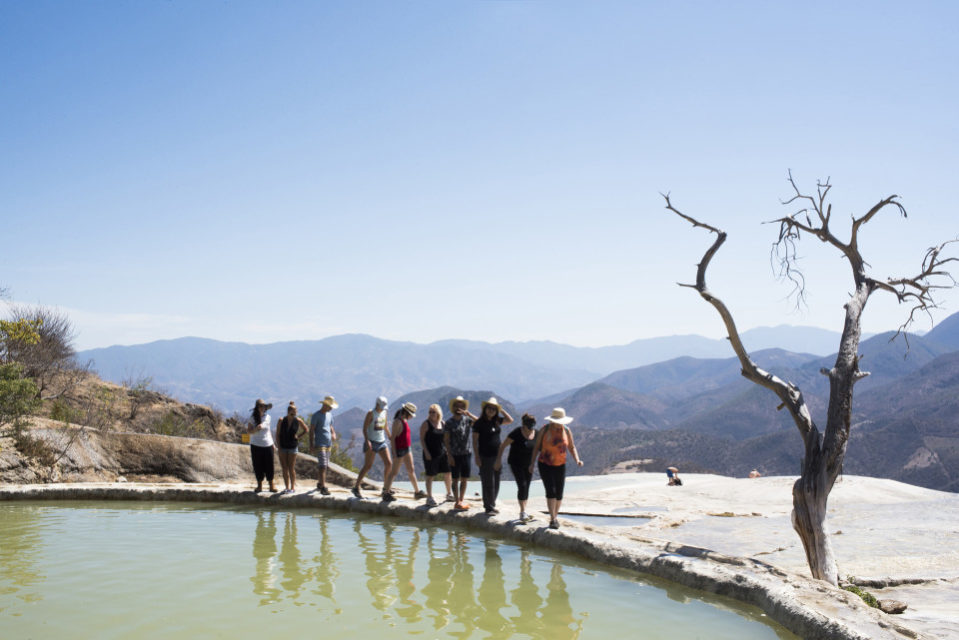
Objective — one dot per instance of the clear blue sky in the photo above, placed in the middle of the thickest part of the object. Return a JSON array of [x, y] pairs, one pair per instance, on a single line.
[[265, 171]]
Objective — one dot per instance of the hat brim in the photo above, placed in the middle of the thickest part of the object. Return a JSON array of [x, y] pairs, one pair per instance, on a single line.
[[499, 407], [463, 400], [563, 421], [331, 405]]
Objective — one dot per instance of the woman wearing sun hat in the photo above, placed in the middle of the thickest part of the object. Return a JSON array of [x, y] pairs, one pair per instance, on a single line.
[[402, 443], [261, 444], [486, 441], [552, 444], [456, 438]]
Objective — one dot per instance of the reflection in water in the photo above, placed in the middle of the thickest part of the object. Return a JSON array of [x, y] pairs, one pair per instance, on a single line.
[[352, 578], [492, 595], [379, 572], [328, 567], [526, 600], [439, 574], [408, 607], [264, 552], [557, 616], [451, 598], [19, 547]]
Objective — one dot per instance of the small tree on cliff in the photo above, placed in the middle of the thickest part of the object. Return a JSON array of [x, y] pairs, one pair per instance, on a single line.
[[824, 452]]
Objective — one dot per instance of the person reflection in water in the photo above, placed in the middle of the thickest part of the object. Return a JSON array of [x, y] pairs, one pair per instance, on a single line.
[[291, 567], [380, 576], [264, 552], [492, 595], [327, 566], [462, 591], [557, 614], [408, 607], [525, 597], [439, 573]]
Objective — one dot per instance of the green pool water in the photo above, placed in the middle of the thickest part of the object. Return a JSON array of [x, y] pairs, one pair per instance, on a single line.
[[168, 570]]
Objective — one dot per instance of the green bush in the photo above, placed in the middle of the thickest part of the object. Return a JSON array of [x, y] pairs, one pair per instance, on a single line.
[[18, 396], [62, 412], [867, 597], [173, 424]]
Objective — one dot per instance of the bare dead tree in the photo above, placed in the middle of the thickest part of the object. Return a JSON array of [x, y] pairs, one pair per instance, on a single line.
[[824, 452]]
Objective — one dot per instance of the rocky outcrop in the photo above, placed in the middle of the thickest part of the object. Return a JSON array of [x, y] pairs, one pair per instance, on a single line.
[[75, 454]]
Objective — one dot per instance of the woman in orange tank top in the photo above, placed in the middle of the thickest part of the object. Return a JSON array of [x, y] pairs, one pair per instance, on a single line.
[[552, 445]]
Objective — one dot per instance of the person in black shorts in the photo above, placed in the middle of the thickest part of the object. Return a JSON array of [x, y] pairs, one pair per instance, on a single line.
[[434, 453], [520, 441], [456, 437]]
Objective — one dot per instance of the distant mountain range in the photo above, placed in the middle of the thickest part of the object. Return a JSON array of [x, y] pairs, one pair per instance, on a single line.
[[679, 400], [357, 368]]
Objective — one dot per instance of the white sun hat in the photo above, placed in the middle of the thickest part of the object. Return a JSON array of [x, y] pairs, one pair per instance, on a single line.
[[559, 416]]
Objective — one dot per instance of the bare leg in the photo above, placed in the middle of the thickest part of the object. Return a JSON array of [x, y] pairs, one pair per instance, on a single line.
[[387, 466], [429, 487], [552, 505], [285, 468], [411, 470], [367, 465], [448, 481], [291, 463]]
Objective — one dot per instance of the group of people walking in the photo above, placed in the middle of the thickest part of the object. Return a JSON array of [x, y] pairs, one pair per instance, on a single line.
[[449, 446]]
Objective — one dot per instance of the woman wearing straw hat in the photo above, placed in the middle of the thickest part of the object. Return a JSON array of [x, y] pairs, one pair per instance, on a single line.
[[486, 441], [456, 437], [322, 436], [261, 444], [402, 441], [374, 442], [552, 444], [288, 432]]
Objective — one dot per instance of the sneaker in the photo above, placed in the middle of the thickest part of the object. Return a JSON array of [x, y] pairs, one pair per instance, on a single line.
[[522, 516], [554, 524], [356, 492], [450, 497], [492, 511], [419, 495], [528, 517], [430, 502], [388, 497], [324, 491]]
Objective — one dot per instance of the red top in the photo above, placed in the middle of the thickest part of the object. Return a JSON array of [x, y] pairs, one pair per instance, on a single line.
[[404, 441]]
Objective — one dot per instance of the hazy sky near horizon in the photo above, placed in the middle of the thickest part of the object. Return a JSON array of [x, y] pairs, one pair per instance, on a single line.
[[487, 170]]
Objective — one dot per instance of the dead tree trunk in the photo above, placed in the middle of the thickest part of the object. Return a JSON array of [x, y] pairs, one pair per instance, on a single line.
[[823, 453]]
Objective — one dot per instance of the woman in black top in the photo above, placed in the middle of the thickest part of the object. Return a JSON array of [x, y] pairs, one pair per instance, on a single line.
[[520, 442], [434, 453], [486, 443], [288, 432]]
